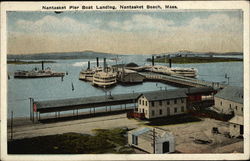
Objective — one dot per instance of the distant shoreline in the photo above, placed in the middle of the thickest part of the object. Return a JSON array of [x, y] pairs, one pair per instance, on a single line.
[[189, 60], [20, 62]]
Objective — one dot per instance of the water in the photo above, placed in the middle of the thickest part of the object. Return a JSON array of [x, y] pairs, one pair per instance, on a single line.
[[20, 90]]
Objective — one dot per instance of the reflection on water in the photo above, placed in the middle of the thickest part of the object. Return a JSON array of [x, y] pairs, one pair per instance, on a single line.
[[20, 90]]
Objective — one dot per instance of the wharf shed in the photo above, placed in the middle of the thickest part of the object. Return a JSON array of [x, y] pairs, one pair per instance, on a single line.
[[86, 102], [230, 99]]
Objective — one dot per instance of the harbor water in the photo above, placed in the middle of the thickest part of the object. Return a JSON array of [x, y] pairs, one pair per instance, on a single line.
[[20, 90]]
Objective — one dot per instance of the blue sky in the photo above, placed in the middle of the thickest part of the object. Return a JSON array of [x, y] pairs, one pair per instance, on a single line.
[[125, 32]]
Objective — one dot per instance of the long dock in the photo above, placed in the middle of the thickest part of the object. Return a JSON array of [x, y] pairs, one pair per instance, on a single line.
[[76, 104], [180, 80]]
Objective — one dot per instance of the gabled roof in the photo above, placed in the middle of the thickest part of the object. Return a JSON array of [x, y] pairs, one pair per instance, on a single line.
[[164, 95], [237, 120], [231, 93]]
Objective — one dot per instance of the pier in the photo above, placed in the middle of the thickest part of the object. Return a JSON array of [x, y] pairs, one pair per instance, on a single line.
[[181, 81]]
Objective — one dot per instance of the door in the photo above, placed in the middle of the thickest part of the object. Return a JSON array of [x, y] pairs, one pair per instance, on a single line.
[[168, 111], [165, 147], [241, 129]]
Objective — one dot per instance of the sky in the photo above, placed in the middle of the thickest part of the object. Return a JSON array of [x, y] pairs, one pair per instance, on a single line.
[[125, 32]]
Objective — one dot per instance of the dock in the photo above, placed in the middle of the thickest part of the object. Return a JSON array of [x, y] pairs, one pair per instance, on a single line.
[[181, 81]]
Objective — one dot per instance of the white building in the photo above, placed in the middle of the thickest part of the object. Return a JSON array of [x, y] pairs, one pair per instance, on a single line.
[[162, 103], [152, 140], [236, 126], [229, 99]]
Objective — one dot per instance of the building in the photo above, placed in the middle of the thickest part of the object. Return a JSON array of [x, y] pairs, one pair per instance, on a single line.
[[236, 126], [162, 103], [152, 140], [229, 99], [130, 76]]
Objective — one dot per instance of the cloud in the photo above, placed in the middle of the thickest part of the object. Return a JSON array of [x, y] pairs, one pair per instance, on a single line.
[[136, 34], [217, 22], [213, 23], [52, 24], [141, 22]]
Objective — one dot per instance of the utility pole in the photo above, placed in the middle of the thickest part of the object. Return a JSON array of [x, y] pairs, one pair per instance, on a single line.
[[154, 140], [11, 126]]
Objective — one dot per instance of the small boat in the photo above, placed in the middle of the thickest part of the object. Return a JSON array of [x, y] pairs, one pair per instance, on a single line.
[[104, 79], [35, 73]]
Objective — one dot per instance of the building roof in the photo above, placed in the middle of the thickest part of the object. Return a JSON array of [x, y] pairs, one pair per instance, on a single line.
[[164, 95], [231, 93], [86, 100], [237, 120]]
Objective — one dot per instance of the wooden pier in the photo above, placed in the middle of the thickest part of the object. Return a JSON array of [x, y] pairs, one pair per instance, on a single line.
[[181, 81]]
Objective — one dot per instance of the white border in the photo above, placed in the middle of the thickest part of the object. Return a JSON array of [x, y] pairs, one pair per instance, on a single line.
[[36, 6]]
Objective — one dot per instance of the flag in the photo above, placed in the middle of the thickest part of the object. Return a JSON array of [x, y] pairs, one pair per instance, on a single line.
[[34, 107]]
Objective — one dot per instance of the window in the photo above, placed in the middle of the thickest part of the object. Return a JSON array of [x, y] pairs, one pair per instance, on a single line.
[[175, 101], [236, 108], [182, 109], [168, 102], [182, 100], [234, 126], [139, 101], [143, 102], [160, 103], [242, 109], [221, 103], [175, 110], [230, 106], [153, 112], [160, 111], [153, 103], [146, 103], [134, 140]]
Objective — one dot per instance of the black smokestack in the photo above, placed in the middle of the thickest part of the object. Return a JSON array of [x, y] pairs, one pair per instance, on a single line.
[[153, 61], [42, 65], [88, 64], [97, 61], [170, 63], [104, 64]]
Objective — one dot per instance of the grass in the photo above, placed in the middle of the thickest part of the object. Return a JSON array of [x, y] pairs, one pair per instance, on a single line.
[[20, 62], [187, 60], [104, 141]]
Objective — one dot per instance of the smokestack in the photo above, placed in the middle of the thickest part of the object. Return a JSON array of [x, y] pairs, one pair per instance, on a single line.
[[88, 64], [97, 62], [153, 61], [170, 63], [42, 65], [104, 64]]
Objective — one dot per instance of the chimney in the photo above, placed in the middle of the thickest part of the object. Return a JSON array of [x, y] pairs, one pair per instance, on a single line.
[[42, 65], [88, 64], [153, 61], [170, 63], [97, 62]]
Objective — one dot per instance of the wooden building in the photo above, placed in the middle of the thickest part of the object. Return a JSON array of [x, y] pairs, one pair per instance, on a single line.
[[236, 126], [152, 140], [162, 103], [229, 99]]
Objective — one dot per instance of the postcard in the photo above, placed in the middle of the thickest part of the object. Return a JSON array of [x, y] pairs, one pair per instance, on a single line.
[[125, 80]]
